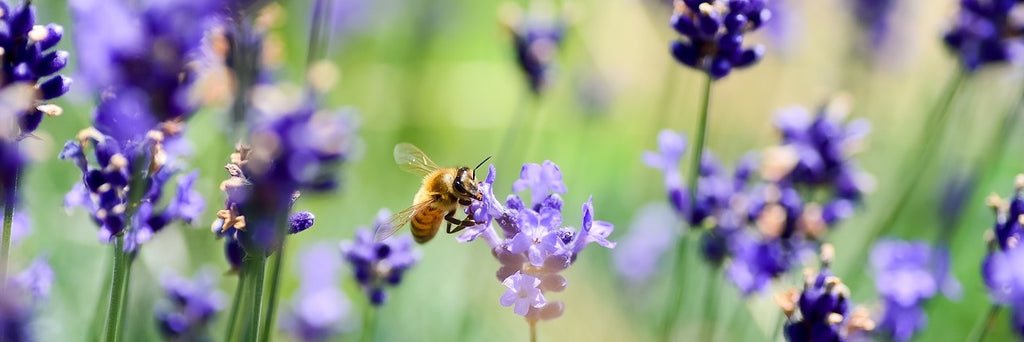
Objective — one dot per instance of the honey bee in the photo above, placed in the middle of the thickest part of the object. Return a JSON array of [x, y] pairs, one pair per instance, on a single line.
[[442, 192]]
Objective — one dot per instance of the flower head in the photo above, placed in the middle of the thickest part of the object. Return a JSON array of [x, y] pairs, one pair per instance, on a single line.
[[823, 306], [537, 36], [713, 33], [319, 310], [379, 264], [534, 246], [874, 18], [986, 32], [190, 306], [649, 237], [540, 179], [19, 301]]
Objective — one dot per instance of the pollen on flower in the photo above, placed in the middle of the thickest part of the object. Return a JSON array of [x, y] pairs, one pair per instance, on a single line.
[[38, 33], [118, 162], [50, 109], [87, 134]]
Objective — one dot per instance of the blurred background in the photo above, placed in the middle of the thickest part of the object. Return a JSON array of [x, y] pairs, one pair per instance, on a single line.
[[442, 74]]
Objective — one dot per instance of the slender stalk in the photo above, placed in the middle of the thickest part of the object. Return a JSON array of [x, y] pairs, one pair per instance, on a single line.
[[119, 276], [275, 280], [707, 331], [10, 194], [369, 323], [981, 329], [233, 321], [533, 330], [99, 310], [679, 270], [253, 267], [778, 327], [925, 149]]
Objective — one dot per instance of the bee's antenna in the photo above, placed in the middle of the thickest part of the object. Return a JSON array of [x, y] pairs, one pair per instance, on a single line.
[[482, 163]]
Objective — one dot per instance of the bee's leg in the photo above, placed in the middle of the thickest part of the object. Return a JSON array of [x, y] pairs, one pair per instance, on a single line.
[[465, 201], [459, 225]]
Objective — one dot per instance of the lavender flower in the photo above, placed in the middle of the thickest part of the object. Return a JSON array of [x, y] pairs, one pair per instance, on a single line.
[[379, 264], [873, 16], [986, 32], [536, 38], [20, 300], [650, 236], [319, 310], [190, 306], [671, 147], [29, 59], [713, 31], [535, 247], [907, 274], [1000, 270], [540, 179], [823, 306], [293, 149]]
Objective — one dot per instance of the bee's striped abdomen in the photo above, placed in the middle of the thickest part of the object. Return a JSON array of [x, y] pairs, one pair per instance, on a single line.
[[425, 223]]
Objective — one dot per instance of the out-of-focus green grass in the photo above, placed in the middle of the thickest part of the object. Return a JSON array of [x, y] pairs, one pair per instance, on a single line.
[[451, 87]]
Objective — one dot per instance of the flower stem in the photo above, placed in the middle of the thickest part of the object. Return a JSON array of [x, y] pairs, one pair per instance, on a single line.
[[778, 327], [369, 325], [925, 149], [533, 330], [253, 268], [275, 280], [98, 311], [982, 327], [233, 321], [707, 332], [10, 195], [118, 292], [678, 273]]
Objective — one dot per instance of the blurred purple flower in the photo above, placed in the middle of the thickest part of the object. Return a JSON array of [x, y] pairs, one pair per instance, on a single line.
[[713, 32], [190, 306], [20, 300], [534, 244], [537, 36], [874, 18], [37, 279], [907, 274], [824, 306], [319, 310], [379, 264], [649, 237], [986, 32]]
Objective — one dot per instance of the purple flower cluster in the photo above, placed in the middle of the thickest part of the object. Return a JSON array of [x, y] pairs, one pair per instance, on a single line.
[[814, 158], [379, 264], [713, 31], [653, 232], [1000, 270], [987, 32], [122, 189], [29, 59], [320, 311], [291, 150], [906, 275], [536, 39], [536, 247], [190, 306], [873, 16], [821, 311]]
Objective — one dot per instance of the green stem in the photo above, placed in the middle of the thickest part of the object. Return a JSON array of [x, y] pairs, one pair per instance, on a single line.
[[981, 329], [369, 325], [116, 305], [275, 280], [233, 321], [253, 268], [533, 330], [707, 331], [679, 269], [925, 149], [98, 311], [778, 327], [10, 193]]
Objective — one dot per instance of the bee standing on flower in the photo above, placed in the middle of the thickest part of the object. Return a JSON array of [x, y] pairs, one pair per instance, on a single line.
[[442, 192]]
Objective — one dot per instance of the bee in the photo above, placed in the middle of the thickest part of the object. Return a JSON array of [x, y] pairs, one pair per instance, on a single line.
[[443, 191]]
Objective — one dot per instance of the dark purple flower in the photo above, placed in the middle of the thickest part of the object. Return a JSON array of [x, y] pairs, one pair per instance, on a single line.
[[534, 243], [190, 306], [713, 32], [379, 264], [300, 221], [824, 307], [986, 32], [319, 310], [874, 18], [537, 38]]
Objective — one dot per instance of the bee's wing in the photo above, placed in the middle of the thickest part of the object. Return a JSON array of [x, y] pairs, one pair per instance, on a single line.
[[398, 220], [410, 158]]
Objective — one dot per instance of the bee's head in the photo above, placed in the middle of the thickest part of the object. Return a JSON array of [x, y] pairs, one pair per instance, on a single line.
[[465, 184]]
